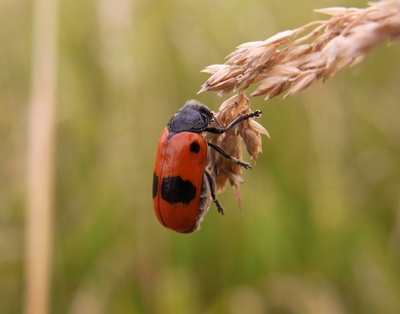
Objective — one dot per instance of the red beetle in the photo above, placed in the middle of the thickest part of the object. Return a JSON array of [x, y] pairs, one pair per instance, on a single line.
[[181, 184]]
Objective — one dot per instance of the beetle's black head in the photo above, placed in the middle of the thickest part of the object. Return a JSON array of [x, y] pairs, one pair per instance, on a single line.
[[192, 117]]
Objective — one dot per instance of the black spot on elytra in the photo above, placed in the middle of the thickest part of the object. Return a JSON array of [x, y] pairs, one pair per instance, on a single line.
[[195, 147], [177, 190], [155, 184]]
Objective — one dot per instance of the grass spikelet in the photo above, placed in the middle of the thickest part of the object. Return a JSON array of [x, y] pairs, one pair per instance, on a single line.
[[249, 132]]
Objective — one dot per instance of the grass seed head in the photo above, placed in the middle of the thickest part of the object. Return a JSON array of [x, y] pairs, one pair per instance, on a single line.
[[290, 62], [247, 133]]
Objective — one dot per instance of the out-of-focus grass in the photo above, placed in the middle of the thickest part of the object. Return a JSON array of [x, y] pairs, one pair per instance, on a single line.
[[319, 227]]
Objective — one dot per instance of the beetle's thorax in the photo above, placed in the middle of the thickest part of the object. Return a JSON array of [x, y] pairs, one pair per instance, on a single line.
[[192, 117]]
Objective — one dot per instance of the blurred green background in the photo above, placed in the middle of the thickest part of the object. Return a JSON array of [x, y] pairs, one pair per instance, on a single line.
[[319, 227]]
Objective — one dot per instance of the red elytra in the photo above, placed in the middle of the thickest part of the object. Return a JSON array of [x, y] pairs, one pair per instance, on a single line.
[[178, 180], [182, 187]]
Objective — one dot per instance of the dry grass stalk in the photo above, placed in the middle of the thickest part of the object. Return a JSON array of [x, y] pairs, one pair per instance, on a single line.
[[40, 172], [289, 62]]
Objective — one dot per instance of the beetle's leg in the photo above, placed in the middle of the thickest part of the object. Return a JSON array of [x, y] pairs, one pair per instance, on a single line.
[[254, 114], [246, 165], [211, 182]]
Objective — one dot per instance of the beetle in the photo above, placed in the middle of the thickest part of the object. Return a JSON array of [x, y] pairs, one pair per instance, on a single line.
[[182, 187]]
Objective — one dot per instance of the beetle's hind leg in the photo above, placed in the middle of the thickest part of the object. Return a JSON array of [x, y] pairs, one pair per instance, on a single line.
[[211, 183]]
